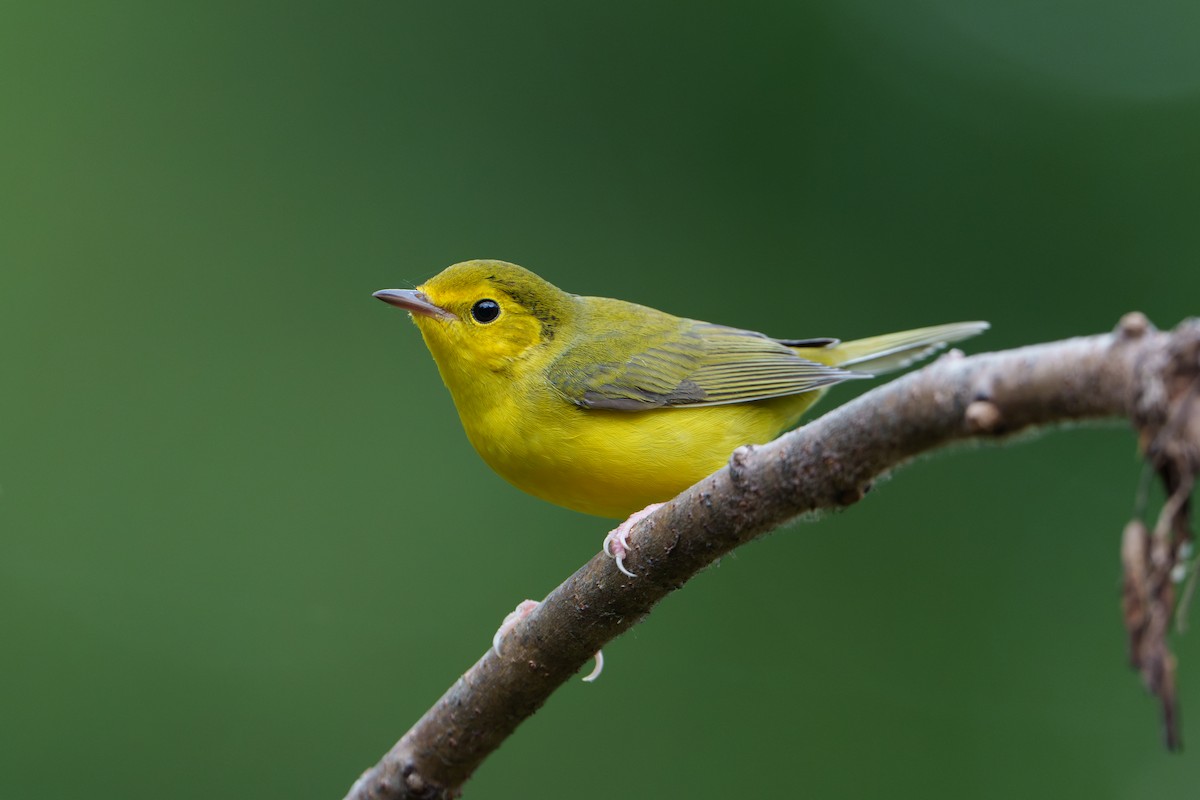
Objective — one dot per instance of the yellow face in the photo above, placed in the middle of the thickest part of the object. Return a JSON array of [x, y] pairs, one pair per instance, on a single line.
[[483, 317]]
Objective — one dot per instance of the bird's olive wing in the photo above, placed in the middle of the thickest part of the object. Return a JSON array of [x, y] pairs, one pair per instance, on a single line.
[[668, 361]]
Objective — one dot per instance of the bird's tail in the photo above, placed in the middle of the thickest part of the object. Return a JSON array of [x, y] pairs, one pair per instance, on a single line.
[[891, 351]]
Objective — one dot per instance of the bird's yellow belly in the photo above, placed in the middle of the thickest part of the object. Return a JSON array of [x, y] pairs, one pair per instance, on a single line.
[[612, 463]]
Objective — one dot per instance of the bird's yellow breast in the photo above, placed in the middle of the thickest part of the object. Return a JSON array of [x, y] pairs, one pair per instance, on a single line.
[[612, 463]]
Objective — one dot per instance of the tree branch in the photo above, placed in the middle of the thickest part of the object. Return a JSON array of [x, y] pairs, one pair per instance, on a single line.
[[1135, 372]]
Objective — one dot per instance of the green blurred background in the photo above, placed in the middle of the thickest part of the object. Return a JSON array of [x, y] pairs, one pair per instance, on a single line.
[[244, 542]]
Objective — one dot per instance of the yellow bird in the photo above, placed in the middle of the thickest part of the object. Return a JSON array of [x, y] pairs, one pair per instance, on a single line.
[[604, 406]]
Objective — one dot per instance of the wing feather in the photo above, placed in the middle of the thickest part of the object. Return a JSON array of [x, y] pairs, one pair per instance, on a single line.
[[655, 360]]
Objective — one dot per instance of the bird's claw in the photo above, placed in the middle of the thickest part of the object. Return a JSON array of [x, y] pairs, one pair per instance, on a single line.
[[616, 544], [596, 670], [616, 547], [523, 610]]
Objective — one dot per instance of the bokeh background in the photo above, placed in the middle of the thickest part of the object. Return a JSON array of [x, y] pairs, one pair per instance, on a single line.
[[244, 542]]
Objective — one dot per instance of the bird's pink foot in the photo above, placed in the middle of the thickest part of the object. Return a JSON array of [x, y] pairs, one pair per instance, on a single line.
[[616, 544], [523, 610]]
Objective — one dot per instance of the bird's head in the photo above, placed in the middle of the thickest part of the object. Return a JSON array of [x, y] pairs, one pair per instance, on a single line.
[[484, 315]]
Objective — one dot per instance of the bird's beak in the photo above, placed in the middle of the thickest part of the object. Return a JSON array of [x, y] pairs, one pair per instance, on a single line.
[[414, 302]]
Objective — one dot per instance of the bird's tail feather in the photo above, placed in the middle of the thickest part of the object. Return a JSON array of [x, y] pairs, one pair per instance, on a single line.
[[892, 351]]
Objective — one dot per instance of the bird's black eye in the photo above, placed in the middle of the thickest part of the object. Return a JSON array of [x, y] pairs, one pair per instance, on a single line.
[[485, 311]]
